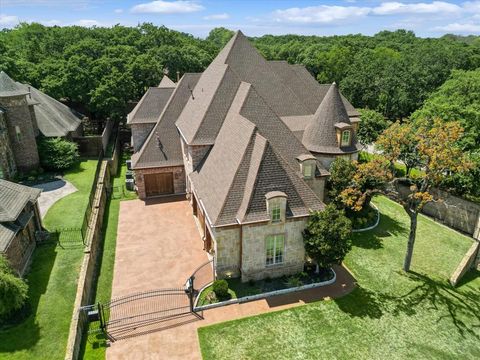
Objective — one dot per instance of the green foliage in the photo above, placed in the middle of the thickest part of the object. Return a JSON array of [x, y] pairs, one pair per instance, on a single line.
[[219, 36], [13, 290], [220, 288], [57, 154], [372, 125], [341, 177], [327, 236]]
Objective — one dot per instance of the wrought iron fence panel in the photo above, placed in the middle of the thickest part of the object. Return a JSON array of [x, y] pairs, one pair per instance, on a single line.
[[203, 276]]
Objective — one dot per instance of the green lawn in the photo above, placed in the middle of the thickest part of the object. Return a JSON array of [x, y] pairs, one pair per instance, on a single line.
[[94, 347], [52, 281], [391, 315]]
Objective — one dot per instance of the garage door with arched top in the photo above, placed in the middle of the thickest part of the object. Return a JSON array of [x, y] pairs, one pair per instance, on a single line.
[[158, 184]]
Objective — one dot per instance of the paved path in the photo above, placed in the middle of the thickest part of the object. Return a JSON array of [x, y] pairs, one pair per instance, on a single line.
[[158, 245], [52, 192]]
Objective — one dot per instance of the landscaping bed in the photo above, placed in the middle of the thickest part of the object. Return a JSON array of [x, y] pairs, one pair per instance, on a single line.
[[238, 289], [363, 219]]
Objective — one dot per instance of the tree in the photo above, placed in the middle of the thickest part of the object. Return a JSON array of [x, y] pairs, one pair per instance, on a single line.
[[57, 153], [13, 290], [438, 154], [341, 176], [327, 236], [372, 125]]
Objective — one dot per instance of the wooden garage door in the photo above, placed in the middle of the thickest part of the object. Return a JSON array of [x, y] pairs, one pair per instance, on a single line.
[[158, 184]]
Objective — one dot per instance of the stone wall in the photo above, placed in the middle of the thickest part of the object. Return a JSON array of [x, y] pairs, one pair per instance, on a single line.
[[327, 160], [226, 244], [23, 144], [178, 179], [139, 134], [192, 156], [318, 186], [8, 169]]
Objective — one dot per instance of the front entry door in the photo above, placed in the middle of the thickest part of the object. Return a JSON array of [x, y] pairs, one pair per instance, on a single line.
[[158, 184]]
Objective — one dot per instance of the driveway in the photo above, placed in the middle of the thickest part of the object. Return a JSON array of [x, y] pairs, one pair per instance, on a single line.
[[158, 246], [52, 192]]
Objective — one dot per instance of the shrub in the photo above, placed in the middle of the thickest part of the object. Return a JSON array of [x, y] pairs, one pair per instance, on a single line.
[[220, 288], [13, 290], [57, 154]]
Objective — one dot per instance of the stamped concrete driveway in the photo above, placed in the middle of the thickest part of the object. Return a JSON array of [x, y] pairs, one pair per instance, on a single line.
[[158, 246]]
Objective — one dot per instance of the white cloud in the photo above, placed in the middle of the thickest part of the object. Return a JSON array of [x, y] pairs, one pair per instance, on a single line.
[[167, 7], [436, 7], [223, 16], [88, 23], [51, 22], [322, 14], [118, 11], [459, 28], [8, 20]]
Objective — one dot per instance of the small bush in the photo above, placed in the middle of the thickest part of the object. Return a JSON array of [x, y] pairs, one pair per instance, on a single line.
[[13, 290], [220, 288], [294, 281], [57, 154]]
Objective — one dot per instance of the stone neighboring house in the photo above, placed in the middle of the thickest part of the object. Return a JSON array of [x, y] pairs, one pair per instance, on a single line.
[[25, 114], [19, 220], [250, 142]]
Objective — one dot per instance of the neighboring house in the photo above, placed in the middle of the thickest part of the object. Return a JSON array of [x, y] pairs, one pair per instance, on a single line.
[[25, 114], [250, 142], [19, 220]]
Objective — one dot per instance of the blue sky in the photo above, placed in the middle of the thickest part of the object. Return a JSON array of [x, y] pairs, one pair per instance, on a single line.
[[255, 17]]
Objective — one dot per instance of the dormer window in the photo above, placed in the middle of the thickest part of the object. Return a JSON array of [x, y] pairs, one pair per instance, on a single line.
[[308, 164], [346, 135], [276, 206], [307, 171], [275, 213]]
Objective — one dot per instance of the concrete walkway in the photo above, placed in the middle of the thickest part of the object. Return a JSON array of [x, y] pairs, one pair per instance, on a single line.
[[158, 246], [52, 192]]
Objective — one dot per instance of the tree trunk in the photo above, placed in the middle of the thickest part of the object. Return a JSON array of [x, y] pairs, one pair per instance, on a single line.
[[411, 241]]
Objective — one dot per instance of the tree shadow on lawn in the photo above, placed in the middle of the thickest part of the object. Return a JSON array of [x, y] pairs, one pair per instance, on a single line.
[[26, 334], [452, 304], [373, 239]]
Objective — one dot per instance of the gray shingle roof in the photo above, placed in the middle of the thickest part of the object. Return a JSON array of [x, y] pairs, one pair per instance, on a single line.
[[166, 82], [53, 117], [13, 198], [162, 147], [150, 106], [320, 135], [7, 233], [8, 87], [243, 165]]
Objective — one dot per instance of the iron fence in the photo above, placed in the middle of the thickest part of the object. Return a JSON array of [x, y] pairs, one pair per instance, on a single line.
[[203, 276], [65, 237]]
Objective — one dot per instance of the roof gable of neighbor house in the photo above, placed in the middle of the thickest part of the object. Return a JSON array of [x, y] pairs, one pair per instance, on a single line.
[[238, 61], [150, 106], [162, 147], [243, 165], [166, 82], [13, 198], [8, 87], [320, 135], [53, 118]]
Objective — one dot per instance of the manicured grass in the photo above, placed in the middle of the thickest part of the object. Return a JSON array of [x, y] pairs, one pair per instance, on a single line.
[[52, 281], [391, 315], [94, 346]]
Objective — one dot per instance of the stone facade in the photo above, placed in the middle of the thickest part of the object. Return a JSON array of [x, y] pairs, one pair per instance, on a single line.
[[21, 132], [227, 247], [178, 179], [8, 168], [192, 156], [318, 186], [139, 134], [327, 160]]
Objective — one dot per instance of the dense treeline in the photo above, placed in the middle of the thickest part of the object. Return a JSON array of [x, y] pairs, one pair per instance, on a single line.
[[101, 69]]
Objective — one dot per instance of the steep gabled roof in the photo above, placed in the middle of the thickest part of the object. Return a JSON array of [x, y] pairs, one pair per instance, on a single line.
[[320, 135], [8, 87], [53, 117], [238, 61], [162, 147], [166, 82], [150, 105], [243, 165], [13, 198]]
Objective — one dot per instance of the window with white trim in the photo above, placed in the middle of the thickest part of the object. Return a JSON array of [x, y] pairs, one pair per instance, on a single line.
[[275, 248], [307, 171], [345, 138], [276, 212]]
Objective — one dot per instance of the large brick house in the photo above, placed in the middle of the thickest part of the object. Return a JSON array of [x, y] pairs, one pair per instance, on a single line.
[[25, 114], [19, 221], [250, 142]]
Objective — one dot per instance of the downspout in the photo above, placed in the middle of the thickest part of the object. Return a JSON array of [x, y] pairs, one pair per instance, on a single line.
[[241, 246]]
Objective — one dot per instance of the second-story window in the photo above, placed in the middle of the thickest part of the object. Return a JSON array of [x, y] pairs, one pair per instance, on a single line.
[[346, 138], [307, 171], [276, 215]]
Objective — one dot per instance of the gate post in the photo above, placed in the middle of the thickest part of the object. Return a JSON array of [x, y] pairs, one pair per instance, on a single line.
[[100, 316]]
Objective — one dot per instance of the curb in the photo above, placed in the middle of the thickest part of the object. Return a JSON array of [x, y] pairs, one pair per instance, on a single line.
[[374, 225]]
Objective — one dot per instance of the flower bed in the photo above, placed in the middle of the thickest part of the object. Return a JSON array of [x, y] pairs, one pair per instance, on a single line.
[[363, 219], [237, 289]]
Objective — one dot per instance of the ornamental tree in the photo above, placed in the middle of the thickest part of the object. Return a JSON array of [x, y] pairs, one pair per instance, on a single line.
[[437, 153], [13, 290], [327, 237]]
